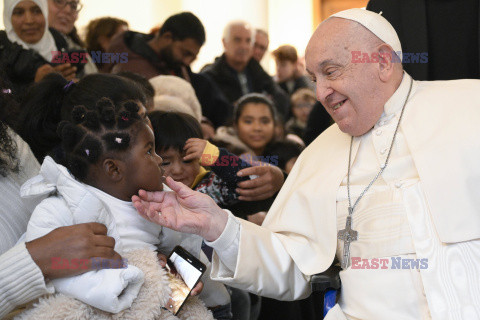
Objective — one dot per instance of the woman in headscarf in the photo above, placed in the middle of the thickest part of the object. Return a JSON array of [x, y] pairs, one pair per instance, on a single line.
[[26, 44]]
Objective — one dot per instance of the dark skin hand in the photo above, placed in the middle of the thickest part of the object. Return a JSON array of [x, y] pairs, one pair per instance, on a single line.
[[270, 180], [66, 70], [81, 241]]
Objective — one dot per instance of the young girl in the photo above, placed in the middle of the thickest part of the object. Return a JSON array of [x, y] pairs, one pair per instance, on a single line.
[[108, 154], [52, 100], [254, 121]]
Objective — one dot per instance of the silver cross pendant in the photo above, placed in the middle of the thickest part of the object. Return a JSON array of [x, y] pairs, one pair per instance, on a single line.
[[348, 235]]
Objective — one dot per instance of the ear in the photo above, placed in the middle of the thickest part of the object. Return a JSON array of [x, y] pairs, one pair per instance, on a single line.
[[224, 42], [113, 169], [387, 59], [167, 37]]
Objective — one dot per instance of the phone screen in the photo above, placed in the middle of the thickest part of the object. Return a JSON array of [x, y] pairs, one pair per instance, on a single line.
[[184, 273]]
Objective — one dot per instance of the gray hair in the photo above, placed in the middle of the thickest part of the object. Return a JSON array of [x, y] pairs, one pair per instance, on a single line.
[[228, 28]]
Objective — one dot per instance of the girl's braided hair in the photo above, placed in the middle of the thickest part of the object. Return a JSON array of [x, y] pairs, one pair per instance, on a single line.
[[93, 133]]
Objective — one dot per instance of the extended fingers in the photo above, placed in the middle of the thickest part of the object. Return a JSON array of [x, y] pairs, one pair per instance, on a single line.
[[259, 170], [151, 196], [179, 188], [262, 190]]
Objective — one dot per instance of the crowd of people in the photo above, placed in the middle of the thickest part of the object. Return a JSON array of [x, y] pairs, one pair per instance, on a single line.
[[231, 131], [112, 148]]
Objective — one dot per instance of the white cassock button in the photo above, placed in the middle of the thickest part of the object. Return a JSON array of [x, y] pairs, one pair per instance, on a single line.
[[398, 184], [378, 132], [383, 151]]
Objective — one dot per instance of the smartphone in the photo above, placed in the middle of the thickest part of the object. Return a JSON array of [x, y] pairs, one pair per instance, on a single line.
[[184, 272]]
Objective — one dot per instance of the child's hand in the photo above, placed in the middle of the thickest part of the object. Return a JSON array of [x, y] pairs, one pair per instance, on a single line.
[[194, 149]]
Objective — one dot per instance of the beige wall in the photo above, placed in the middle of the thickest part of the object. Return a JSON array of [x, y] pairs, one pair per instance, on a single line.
[[287, 21]]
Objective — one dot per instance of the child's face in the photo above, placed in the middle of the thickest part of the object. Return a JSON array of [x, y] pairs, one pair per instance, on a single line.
[[285, 70], [143, 165], [255, 126], [301, 110], [179, 170]]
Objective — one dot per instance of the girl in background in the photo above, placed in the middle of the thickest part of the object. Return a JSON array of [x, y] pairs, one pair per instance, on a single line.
[[254, 122]]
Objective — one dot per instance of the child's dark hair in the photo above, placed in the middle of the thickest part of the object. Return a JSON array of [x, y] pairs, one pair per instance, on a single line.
[[173, 129], [93, 134], [252, 98], [141, 81], [52, 100], [283, 151], [9, 161]]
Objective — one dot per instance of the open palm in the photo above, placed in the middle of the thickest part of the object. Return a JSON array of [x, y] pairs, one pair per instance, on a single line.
[[182, 209]]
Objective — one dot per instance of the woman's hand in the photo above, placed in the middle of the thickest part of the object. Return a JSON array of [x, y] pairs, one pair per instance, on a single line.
[[194, 149], [182, 210], [68, 251], [270, 180], [66, 70]]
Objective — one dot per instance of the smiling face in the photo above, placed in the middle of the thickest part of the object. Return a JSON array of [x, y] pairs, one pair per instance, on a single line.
[[174, 166], [28, 22], [143, 165], [256, 126], [61, 18], [353, 94]]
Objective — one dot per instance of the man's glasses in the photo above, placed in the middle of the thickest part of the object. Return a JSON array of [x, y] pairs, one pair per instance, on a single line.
[[75, 5]]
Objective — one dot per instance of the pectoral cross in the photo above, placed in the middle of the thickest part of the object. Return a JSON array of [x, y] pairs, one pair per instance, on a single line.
[[348, 235]]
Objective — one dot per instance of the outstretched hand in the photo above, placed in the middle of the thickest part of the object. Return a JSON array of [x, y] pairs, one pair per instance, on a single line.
[[182, 210]]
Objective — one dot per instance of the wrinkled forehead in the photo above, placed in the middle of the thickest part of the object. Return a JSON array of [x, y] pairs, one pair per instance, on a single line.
[[328, 42], [333, 41]]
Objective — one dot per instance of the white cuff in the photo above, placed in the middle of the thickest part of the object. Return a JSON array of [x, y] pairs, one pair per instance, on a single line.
[[226, 246]]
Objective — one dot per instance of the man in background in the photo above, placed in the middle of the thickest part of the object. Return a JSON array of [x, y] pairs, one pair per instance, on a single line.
[[237, 73], [171, 51]]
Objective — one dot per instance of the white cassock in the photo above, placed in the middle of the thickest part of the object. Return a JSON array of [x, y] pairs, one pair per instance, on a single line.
[[425, 205]]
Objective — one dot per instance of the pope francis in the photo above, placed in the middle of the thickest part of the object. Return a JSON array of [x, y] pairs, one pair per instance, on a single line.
[[394, 180]]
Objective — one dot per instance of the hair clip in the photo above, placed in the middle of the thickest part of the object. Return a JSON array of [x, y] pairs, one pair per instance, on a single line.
[[118, 140], [7, 91], [68, 85], [87, 152], [124, 118]]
